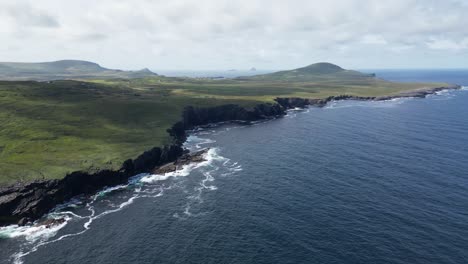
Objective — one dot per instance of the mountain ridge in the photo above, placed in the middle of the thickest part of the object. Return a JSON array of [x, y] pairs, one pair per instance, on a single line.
[[317, 71], [64, 69]]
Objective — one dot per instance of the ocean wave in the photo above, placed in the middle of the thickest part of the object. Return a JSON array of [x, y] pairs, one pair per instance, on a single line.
[[31, 233], [83, 211], [439, 95], [372, 104], [210, 156], [291, 113], [447, 94], [195, 142], [37, 236]]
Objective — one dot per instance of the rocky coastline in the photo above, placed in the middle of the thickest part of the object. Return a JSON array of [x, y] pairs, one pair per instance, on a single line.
[[24, 203], [419, 93]]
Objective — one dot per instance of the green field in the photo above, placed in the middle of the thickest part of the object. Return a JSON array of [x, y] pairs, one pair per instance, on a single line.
[[48, 129]]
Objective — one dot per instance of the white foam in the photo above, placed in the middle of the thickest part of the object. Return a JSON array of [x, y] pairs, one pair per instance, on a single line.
[[32, 233], [38, 236], [442, 92], [208, 178], [209, 157], [185, 171], [41, 234], [197, 142], [373, 104]]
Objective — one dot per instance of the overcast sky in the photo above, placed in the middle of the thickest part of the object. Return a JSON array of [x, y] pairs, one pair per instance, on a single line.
[[219, 35]]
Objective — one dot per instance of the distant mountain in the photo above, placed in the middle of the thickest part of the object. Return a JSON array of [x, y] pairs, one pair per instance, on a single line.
[[318, 71], [64, 69], [253, 69], [320, 68]]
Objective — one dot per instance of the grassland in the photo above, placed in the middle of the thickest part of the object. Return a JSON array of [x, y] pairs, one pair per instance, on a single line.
[[64, 70], [48, 129]]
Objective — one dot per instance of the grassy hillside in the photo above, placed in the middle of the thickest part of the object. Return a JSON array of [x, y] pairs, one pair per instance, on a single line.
[[64, 69], [50, 128], [316, 72]]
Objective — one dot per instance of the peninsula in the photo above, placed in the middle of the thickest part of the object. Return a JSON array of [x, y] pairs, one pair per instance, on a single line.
[[73, 127]]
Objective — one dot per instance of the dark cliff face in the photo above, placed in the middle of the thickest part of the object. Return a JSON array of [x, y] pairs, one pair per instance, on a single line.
[[293, 102], [28, 202], [25, 200], [193, 117]]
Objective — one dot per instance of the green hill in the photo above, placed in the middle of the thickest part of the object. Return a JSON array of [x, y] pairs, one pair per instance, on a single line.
[[64, 69], [314, 72], [319, 68]]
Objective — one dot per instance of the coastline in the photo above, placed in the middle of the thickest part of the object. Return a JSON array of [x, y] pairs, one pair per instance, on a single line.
[[23, 203]]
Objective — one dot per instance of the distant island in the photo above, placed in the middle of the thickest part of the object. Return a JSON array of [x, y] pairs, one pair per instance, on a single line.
[[71, 127]]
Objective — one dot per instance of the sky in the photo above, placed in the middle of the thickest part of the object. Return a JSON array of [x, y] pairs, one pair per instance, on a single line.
[[240, 34]]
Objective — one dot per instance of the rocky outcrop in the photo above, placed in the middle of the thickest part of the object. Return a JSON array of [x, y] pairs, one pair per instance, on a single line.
[[419, 93], [178, 164], [193, 117], [48, 223], [22, 203], [325, 101], [293, 102]]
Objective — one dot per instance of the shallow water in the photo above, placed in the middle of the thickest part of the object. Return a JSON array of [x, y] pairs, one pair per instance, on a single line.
[[354, 182]]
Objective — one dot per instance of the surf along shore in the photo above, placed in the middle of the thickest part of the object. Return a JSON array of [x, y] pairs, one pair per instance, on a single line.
[[24, 203]]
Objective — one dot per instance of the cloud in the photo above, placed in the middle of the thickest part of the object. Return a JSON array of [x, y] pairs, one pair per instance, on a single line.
[[24, 15], [448, 44], [234, 34], [92, 37], [374, 40]]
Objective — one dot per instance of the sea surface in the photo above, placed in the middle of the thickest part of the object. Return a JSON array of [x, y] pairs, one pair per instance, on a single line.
[[354, 182]]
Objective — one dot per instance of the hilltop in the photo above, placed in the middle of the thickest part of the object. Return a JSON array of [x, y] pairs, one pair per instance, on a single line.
[[318, 71], [64, 69]]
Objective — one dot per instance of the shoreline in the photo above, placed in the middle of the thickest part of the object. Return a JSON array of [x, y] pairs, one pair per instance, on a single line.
[[24, 203]]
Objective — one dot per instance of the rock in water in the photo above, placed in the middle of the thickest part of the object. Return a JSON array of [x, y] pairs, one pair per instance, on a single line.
[[185, 159], [51, 222]]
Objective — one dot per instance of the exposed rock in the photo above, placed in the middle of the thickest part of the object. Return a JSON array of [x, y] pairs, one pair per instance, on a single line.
[[24, 221], [32, 200], [185, 159], [48, 223], [193, 117], [293, 102], [421, 93], [22, 203]]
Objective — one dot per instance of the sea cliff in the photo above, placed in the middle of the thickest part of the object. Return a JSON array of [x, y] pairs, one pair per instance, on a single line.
[[26, 202]]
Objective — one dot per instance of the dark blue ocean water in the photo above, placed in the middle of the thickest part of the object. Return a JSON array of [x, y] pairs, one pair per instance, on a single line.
[[354, 182]]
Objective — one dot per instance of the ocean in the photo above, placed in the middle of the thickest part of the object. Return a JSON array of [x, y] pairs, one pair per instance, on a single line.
[[353, 182]]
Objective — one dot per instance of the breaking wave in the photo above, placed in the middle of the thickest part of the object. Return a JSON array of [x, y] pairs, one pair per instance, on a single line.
[[81, 212], [440, 95]]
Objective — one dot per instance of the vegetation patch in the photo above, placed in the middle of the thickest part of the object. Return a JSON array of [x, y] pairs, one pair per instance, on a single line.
[[49, 129]]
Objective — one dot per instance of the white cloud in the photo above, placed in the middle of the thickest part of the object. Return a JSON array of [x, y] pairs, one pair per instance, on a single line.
[[22, 15], [234, 34], [374, 40], [448, 44]]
